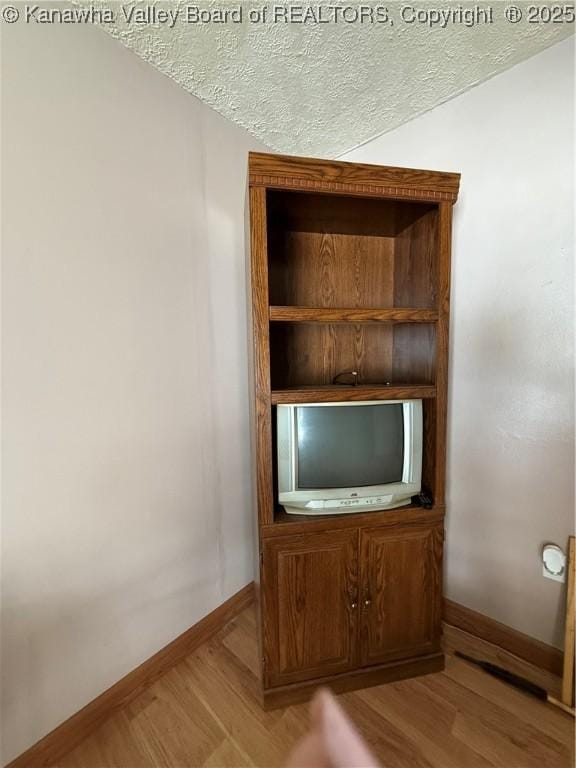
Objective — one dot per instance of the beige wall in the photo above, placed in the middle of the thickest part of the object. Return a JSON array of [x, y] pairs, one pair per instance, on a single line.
[[126, 506], [511, 420]]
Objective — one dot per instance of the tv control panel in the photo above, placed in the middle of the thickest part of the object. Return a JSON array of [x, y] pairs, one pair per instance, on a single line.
[[367, 501], [349, 505]]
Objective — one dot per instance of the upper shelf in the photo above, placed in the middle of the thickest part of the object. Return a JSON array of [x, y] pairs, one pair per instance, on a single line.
[[331, 251], [349, 315]]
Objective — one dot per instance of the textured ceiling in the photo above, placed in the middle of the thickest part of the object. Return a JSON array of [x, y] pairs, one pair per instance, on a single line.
[[323, 88]]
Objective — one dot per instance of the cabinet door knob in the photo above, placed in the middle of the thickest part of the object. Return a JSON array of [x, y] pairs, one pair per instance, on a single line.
[[367, 602], [353, 605]]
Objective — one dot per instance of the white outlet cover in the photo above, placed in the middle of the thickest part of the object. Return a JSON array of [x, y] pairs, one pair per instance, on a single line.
[[553, 562]]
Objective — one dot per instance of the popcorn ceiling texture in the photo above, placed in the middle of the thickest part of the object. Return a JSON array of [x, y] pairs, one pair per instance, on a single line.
[[321, 89]]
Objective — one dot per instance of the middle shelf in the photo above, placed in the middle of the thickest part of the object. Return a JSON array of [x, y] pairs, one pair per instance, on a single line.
[[318, 354], [351, 315]]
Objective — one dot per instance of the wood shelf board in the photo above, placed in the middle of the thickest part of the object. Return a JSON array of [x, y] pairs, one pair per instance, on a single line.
[[285, 524], [351, 393], [351, 315]]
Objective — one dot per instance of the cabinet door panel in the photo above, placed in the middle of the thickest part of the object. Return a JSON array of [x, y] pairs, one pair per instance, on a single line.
[[401, 592], [309, 590]]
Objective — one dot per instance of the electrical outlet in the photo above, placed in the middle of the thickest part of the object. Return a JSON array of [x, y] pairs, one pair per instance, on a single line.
[[553, 563]]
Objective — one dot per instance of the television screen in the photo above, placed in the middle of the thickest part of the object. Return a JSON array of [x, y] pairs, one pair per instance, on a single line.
[[350, 446]]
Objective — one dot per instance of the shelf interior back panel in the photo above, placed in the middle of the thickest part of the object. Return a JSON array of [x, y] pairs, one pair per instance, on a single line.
[[303, 354], [337, 251]]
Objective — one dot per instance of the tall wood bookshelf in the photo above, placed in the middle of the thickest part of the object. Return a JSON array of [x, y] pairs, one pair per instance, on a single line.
[[349, 270]]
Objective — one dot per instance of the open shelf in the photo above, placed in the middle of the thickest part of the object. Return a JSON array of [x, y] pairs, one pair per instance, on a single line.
[[351, 315], [331, 251], [345, 393], [314, 354]]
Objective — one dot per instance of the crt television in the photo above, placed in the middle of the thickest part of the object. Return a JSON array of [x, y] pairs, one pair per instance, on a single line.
[[348, 457]]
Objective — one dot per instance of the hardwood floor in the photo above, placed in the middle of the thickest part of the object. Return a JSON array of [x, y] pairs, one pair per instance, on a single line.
[[205, 712]]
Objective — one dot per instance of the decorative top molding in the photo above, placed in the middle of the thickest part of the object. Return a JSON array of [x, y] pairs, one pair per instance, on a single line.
[[286, 172]]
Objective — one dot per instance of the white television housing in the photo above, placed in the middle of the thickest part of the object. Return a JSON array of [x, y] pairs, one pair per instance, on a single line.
[[341, 459]]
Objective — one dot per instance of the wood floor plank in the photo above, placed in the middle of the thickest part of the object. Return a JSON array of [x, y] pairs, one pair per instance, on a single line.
[[177, 729], [425, 721], [506, 728], [240, 722], [538, 714], [228, 755], [501, 748], [387, 741], [113, 745], [292, 725], [229, 672], [240, 642], [456, 639], [206, 713]]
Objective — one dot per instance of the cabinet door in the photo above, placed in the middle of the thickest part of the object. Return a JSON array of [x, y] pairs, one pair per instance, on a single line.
[[310, 605], [401, 591]]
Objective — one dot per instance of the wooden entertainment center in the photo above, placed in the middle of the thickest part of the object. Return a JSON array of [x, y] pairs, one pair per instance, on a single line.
[[349, 270]]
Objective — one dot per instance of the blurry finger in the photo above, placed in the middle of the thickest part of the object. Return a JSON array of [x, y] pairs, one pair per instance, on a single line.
[[341, 741], [309, 752]]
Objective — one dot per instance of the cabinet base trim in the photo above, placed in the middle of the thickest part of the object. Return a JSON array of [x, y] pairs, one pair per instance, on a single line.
[[273, 698]]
